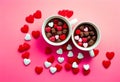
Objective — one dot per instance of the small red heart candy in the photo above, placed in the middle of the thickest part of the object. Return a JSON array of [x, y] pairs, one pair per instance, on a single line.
[[64, 47], [65, 25], [25, 55], [84, 40], [110, 55], [48, 50], [71, 60], [55, 21], [59, 67], [106, 63], [26, 46], [68, 66], [80, 43], [36, 34], [96, 52], [37, 14], [25, 28], [29, 19], [47, 29], [59, 28], [69, 14], [21, 48], [51, 59], [55, 25], [86, 72], [75, 70], [77, 31], [77, 60], [63, 37], [52, 38], [38, 69], [59, 12]]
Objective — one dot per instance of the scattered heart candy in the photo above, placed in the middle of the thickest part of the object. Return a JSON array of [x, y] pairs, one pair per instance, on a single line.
[[25, 29], [25, 55], [110, 55], [62, 36], [56, 36], [75, 70], [47, 64], [26, 61], [37, 14], [77, 31], [106, 63], [84, 40], [47, 29], [29, 19], [48, 50], [36, 34], [59, 28], [70, 54], [86, 67], [53, 70], [74, 65], [60, 59], [59, 51], [23, 47], [80, 40], [96, 52], [80, 56], [77, 37], [85, 45], [52, 38], [27, 37], [69, 47], [50, 24], [38, 69], [59, 67], [86, 29], [86, 72], [68, 66], [51, 59], [91, 52]]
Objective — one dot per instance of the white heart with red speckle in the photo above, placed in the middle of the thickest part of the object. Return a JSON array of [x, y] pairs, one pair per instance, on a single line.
[[27, 37], [70, 54], [69, 47], [50, 24], [76, 37], [53, 70], [80, 56], [59, 51], [26, 61], [74, 65], [85, 45], [60, 59], [86, 66], [47, 64]]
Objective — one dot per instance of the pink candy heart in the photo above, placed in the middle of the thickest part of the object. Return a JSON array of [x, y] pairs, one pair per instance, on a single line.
[[59, 28], [47, 29], [52, 38]]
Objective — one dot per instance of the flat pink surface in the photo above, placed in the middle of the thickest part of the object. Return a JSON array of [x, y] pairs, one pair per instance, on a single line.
[[104, 13]]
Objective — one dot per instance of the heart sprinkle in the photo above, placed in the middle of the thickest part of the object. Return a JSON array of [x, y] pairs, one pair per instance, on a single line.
[[25, 55], [25, 28], [86, 29], [47, 64], [60, 59], [37, 14], [80, 56], [38, 69], [50, 24], [96, 52], [51, 59], [68, 66], [56, 36], [77, 37], [36, 34], [69, 47], [110, 55], [70, 54], [29, 19], [85, 45], [27, 37], [53, 70], [59, 51], [75, 70], [106, 63], [59, 67], [26, 61], [86, 66], [74, 65]]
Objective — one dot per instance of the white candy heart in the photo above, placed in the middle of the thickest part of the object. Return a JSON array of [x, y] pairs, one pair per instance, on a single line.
[[85, 45], [91, 52], [69, 47], [26, 61], [74, 65], [57, 36], [60, 59], [47, 64], [76, 37], [50, 24], [80, 56], [80, 40], [86, 29], [86, 66], [53, 70], [70, 54], [59, 51], [27, 37]]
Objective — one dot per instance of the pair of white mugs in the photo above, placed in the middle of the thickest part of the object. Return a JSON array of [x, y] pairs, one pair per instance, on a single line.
[[71, 33]]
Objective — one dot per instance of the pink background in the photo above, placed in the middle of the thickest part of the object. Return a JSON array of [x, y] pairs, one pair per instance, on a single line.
[[104, 13]]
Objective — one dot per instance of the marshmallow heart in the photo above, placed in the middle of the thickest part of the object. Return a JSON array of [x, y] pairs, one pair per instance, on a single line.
[[80, 40], [76, 37], [26, 61], [69, 47], [27, 37], [85, 45], [59, 51], [80, 56], [53, 70], [74, 65], [47, 64], [70, 54], [60, 59], [86, 67], [56, 36], [86, 29], [50, 24]]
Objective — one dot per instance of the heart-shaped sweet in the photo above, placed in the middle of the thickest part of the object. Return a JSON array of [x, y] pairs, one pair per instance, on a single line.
[[70, 54], [23, 47], [29, 19], [59, 51], [47, 29], [80, 40], [75, 70], [51, 59], [36, 34], [69, 14], [60, 59], [86, 29], [74, 65], [50, 24], [65, 25], [86, 72], [62, 36], [25, 28], [77, 31], [92, 54], [38, 69], [106, 63], [59, 67], [86, 67], [27, 37], [96, 52], [53, 70], [56, 36], [52, 38], [110, 55], [80, 56], [37, 14], [69, 47], [59, 28], [84, 40], [76, 37], [85, 45], [25, 55], [26, 61], [80, 43], [47, 64], [68, 66]]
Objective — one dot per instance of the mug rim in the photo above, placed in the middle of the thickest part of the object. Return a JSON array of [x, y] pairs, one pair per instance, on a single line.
[[59, 17], [95, 44]]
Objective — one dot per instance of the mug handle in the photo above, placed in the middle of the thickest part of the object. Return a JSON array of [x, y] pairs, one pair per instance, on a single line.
[[91, 52], [73, 21]]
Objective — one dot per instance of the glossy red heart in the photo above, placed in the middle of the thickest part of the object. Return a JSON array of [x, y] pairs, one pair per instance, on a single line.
[[23, 47], [84, 40], [25, 55], [75, 70], [29, 19], [37, 14], [51, 59], [38, 69], [96, 52], [63, 37], [110, 55], [59, 67], [65, 25], [48, 50], [52, 38], [69, 14], [77, 31], [86, 72], [68, 66], [36, 34], [25, 28], [106, 63]]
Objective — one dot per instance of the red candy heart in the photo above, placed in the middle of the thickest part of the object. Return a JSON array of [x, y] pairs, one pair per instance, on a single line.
[[55, 25], [77, 31], [52, 38], [75, 70], [64, 47], [25, 55], [37, 14], [48, 50], [80, 43], [84, 40], [63, 37], [59, 67], [47, 29], [38, 69], [110, 55], [86, 72], [68, 66], [65, 25], [23, 47], [106, 63], [59, 28], [51, 59], [96, 52], [25, 29], [36, 34], [71, 60], [69, 14], [29, 19], [55, 21]]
